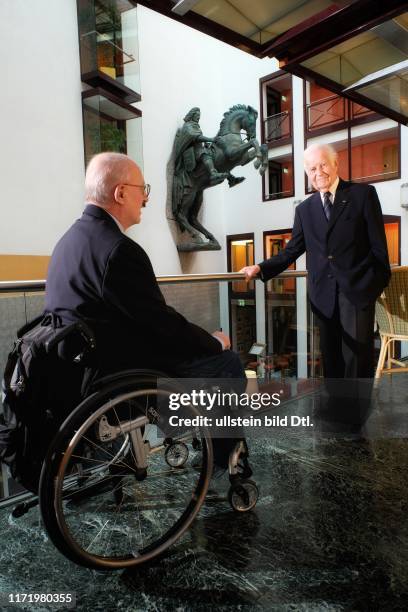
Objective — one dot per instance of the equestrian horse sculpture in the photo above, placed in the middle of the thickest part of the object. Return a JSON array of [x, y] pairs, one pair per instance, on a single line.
[[201, 162]]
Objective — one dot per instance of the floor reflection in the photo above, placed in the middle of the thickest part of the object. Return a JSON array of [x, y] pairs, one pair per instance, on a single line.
[[329, 533]]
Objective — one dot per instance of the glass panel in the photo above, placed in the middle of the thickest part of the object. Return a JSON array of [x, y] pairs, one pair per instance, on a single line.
[[241, 254], [279, 179], [243, 327], [108, 40], [105, 133], [277, 102], [242, 303], [391, 91], [275, 242], [392, 233], [291, 350], [262, 20], [288, 329], [364, 58], [357, 57], [290, 353], [105, 106], [375, 157]]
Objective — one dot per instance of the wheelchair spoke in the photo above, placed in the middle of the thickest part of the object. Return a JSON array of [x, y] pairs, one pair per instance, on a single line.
[[117, 499]]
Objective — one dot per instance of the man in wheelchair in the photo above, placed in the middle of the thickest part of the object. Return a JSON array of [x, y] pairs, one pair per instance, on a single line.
[[100, 276], [115, 488]]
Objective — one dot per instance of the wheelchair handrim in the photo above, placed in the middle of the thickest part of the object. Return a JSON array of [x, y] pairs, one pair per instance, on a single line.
[[177, 530]]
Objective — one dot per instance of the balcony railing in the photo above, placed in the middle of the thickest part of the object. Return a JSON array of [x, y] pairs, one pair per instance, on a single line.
[[278, 195], [326, 112], [373, 178], [277, 127], [333, 110], [358, 111]]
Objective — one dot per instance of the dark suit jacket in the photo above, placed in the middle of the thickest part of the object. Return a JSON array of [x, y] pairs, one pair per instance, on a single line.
[[99, 275], [350, 250]]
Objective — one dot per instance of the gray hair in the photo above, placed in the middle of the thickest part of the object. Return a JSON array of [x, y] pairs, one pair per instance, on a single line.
[[327, 148], [104, 172]]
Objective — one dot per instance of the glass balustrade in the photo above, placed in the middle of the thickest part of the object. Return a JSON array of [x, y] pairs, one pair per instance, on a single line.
[[279, 320], [108, 41]]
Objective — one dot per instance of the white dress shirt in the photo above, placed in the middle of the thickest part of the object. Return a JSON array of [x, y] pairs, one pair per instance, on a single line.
[[332, 190]]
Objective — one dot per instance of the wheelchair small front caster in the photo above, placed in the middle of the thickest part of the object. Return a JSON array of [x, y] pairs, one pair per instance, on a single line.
[[176, 454], [243, 495]]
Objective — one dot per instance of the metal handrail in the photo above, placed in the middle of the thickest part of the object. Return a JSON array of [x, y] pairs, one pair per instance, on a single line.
[[373, 176], [39, 285], [129, 55], [327, 99], [286, 112], [270, 196]]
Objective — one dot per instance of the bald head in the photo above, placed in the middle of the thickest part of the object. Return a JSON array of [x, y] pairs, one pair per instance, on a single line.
[[104, 172], [114, 182]]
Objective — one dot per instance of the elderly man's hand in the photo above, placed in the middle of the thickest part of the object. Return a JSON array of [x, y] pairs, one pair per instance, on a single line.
[[251, 272], [223, 338]]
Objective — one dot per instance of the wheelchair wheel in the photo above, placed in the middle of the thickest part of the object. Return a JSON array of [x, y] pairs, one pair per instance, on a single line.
[[176, 454], [243, 495], [108, 497]]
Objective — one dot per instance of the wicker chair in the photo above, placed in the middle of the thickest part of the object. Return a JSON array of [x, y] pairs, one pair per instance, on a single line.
[[391, 311]]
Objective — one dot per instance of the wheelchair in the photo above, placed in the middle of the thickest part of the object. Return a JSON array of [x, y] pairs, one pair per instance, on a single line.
[[115, 489]]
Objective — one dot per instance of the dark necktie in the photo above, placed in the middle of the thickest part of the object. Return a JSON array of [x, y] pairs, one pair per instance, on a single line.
[[327, 205]]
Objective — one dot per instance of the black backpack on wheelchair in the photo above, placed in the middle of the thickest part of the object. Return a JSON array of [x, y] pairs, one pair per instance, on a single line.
[[43, 381]]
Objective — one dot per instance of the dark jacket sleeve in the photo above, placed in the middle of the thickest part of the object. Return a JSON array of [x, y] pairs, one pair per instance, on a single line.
[[376, 234], [294, 249], [130, 287]]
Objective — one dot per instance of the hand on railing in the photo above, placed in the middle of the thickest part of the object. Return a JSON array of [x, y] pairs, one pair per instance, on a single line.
[[251, 272], [223, 338]]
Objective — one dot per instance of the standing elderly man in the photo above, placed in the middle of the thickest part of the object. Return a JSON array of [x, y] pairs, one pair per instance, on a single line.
[[100, 275], [342, 231]]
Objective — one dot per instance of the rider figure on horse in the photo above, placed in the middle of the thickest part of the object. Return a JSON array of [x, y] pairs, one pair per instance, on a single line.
[[192, 146], [201, 162]]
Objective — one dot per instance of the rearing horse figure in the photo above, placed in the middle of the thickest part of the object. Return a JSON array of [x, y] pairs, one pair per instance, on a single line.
[[202, 162]]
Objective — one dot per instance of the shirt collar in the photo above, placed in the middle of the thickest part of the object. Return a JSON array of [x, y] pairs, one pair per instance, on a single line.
[[332, 189]]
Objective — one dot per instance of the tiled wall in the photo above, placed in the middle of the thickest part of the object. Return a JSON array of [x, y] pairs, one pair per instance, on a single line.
[[15, 311], [198, 302]]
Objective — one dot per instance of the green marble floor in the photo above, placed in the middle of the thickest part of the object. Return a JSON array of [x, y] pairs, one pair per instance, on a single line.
[[329, 532]]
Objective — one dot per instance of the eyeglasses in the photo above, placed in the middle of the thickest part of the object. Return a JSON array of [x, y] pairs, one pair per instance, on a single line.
[[146, 188]]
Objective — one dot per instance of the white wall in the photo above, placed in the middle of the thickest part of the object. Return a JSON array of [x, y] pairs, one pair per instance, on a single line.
[[41, 155], [182, 68]]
